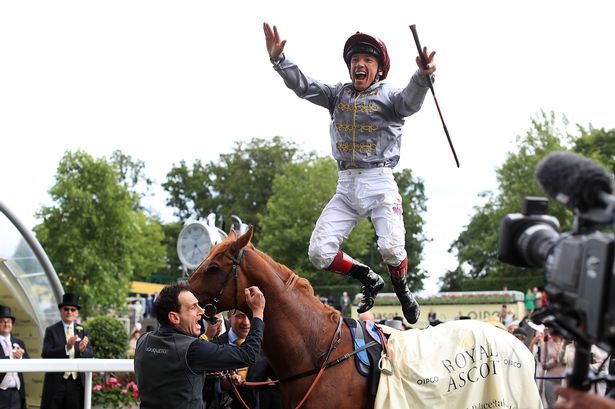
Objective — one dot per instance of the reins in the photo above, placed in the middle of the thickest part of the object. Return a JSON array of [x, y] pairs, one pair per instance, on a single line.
[[335, 341]]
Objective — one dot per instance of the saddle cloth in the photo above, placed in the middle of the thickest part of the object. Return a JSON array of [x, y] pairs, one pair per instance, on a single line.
[[464, 364]]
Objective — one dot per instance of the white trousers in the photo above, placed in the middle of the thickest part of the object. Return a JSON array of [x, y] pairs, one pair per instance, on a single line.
[[361, 193]]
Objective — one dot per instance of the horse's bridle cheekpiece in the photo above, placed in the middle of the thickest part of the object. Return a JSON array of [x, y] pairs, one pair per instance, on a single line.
[[212, 309]]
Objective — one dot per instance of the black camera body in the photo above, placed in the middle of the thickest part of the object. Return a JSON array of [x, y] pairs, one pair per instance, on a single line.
[[578, 271], [579, 265]]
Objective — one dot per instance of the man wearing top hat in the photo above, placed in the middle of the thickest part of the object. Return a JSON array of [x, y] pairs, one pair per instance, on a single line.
[[12, 386], [65, 339]]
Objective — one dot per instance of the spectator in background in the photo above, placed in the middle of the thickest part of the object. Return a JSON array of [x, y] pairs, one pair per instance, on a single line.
[[598, 357], [529, 301], [149, 305], [549, 357], [431, 316], [136, 312], [65, 339], [401, 319], [132, 342], [345, 304], [537, 298], [521, 334], [261, 397], [12, 386]]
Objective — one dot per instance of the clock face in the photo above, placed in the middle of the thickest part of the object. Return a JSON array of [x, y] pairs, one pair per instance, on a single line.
[[193, 245]]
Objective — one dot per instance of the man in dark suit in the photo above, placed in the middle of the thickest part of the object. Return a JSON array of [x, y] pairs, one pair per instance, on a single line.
[[65, 339], [260, 397], [12, 386]]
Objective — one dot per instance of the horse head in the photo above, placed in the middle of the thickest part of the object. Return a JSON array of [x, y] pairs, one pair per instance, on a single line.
[[218, 282]]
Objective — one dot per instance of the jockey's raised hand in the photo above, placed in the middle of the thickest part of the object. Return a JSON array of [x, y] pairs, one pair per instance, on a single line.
[[275, 46], [431, 64]]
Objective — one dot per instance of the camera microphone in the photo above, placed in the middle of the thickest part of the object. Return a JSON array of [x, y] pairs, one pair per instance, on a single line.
[[575, 181]]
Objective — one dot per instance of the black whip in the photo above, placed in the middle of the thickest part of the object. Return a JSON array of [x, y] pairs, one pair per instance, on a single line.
[[424, 62]]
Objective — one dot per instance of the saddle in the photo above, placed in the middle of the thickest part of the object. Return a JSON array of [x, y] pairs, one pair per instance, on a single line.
[[368, 340]]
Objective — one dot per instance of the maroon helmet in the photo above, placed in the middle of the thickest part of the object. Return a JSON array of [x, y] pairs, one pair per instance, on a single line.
[[366, 44]]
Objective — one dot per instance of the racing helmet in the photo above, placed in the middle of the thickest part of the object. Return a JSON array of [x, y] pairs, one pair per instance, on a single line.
[[364, 43]]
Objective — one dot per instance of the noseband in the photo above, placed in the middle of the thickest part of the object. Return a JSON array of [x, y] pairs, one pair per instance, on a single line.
[[233, 271]]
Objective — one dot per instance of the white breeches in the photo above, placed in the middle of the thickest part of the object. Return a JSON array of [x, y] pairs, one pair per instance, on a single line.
[[361, 193]]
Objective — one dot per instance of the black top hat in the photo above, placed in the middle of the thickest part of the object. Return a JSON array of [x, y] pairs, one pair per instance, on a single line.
[[6, 312], [70, 299]]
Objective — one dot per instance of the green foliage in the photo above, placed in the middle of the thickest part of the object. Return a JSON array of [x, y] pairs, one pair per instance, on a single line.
[[476, 245], [239, 183], [95, 234], [108, 337]]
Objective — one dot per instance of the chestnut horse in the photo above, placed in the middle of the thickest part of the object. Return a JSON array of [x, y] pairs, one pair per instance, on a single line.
[[299, 329]]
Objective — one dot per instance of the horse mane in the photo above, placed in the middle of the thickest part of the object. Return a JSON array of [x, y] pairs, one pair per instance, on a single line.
[[302, 284]]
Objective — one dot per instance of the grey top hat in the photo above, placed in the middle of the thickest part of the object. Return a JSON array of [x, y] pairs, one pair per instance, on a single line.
[[6, 312], [394, 324], [70, 299]]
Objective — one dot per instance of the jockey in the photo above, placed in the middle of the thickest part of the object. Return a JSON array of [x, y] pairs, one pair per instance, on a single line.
[[367, 117]]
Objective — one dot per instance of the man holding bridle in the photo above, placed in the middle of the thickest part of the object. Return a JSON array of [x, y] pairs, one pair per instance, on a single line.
[[366, 122]]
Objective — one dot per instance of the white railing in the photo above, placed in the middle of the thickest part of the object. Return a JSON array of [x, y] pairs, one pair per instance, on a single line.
[[86, 365]]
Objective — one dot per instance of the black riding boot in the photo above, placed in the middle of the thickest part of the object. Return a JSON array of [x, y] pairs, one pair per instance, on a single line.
[[372, 284], [409, 306]]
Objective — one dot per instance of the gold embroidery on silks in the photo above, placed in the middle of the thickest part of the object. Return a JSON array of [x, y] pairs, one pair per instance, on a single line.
[[364, 128], [362, 147], [367, 147], [365, 108], [344, 146]]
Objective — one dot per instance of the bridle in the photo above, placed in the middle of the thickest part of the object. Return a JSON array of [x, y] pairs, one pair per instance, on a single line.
[[212, 309], [335, 341]]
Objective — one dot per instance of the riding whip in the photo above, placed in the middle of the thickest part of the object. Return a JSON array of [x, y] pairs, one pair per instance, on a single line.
[[424, 63]]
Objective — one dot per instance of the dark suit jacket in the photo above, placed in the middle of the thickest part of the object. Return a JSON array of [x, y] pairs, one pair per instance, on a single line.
[[22, 388], [54, 346], [258, 372]]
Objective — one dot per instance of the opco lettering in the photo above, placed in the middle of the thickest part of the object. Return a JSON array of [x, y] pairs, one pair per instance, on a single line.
[[433, 379], [510, 362]]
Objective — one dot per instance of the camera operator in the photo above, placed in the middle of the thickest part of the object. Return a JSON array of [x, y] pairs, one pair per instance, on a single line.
[[576, 399]]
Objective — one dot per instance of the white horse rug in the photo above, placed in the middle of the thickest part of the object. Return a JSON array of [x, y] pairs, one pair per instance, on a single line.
[[463, 364]]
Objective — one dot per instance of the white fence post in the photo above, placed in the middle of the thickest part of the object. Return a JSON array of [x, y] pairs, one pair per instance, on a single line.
[[87, 365]]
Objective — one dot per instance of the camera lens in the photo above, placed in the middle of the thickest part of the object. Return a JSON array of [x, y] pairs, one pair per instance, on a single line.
[[535, 242]]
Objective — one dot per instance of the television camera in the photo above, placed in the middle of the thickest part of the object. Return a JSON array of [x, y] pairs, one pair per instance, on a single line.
[[579, 265]]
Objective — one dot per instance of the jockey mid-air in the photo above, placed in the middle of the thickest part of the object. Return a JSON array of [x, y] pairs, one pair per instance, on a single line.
[[367, 117]]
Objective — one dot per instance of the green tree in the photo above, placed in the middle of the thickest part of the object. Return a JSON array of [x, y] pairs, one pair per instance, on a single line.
[[189, 190], [476, 245], [239, 183], [95, 234], [109, 338], [300, 193]]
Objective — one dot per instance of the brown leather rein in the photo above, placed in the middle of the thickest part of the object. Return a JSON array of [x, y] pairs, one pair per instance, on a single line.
[[335, 341]]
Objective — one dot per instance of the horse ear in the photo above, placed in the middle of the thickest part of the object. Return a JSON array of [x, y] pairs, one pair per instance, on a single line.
[[243, 240], [232, 235]]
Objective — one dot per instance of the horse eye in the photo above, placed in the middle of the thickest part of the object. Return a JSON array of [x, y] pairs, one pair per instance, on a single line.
[[212, 270]]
